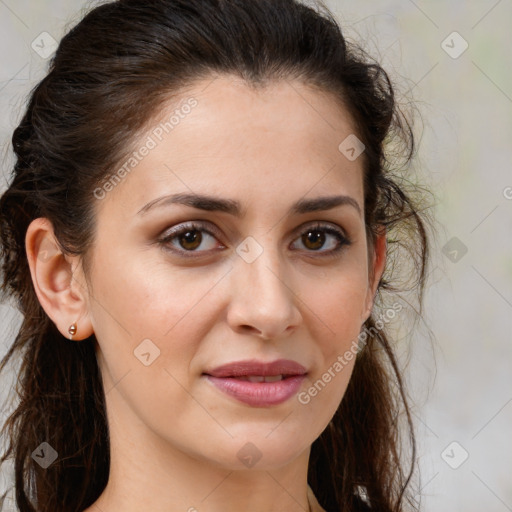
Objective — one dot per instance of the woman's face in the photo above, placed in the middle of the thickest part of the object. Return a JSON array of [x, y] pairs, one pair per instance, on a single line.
[[245, 283]]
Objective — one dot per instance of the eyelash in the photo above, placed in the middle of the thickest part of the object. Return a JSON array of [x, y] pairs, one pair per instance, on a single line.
[[198, 226]]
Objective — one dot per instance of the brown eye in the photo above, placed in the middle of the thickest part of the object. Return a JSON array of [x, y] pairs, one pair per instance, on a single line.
[[324, 236], [314, 237], [193, 239], [190, 239]]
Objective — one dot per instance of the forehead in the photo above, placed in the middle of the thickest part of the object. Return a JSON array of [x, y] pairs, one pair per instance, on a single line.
[[221, 135], [289, 109]]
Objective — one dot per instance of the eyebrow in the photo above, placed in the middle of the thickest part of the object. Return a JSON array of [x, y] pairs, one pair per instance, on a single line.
[[233, 207]]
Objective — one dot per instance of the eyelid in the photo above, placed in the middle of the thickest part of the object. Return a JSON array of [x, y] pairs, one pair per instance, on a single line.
[[192, 224], [320, 224]]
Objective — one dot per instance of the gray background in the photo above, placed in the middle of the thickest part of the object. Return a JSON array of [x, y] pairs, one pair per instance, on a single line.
[[461, 379]]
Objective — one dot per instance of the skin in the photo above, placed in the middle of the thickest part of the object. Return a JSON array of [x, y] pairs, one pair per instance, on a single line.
[[174, 436]]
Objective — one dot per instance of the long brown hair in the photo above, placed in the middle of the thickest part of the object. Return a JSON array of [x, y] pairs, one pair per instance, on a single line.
[[109, 76]]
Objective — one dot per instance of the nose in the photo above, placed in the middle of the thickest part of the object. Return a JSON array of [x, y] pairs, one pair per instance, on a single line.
[[263, 298]]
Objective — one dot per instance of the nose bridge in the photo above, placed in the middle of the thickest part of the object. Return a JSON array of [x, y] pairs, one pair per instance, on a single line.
[[262, 296]]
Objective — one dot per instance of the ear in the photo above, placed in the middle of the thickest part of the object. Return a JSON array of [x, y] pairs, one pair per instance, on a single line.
[[378, 264], [57, 280]]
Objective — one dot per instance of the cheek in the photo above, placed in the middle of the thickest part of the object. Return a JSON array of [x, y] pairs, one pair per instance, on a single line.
[[337, 301], [144, 306], [145, 297], [334, 312], [149, 321]]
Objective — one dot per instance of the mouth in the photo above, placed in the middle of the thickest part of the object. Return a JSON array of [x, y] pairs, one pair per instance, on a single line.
[[257, 383]]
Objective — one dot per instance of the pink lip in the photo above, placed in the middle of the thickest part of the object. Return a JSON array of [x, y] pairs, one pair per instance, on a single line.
[[258, 394], [254, 367]]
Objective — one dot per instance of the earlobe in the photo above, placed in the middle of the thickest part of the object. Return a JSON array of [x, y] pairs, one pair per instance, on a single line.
[[58, 288], [378, 265]]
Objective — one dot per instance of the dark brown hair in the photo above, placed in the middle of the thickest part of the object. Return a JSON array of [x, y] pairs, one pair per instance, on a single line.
[[110, 75]]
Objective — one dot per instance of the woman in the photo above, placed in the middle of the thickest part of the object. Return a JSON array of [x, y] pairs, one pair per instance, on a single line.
[[196, 233]]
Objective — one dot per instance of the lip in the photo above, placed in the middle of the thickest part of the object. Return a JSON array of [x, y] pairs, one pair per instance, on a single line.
[[258, 394], [254, 367]]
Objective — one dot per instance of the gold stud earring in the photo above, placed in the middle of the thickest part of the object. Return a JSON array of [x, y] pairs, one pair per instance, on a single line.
[[72, 330]]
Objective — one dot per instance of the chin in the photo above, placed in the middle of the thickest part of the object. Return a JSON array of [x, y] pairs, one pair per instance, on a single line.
[[264, 450]]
